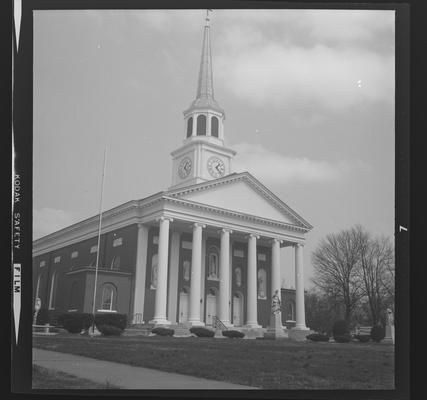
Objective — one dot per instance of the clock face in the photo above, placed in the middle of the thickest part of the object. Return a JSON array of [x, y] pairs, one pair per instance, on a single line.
[[216, 167], [184, 167]]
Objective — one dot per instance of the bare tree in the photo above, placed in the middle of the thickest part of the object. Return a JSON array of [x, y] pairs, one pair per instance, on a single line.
[[377, 273], [336, 268]]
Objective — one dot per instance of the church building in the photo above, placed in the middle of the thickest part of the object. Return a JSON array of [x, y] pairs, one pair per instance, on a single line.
[[207, 248]]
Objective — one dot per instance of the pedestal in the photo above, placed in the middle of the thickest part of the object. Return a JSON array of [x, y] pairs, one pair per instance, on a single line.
[[275, 329]]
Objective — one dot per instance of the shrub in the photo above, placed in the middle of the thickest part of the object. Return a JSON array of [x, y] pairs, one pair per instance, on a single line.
[[75, 322], [42, 316], [342, 338], [340, 328], [112, 319], [377, 333], [163, 331], [233, 334], [362, 338], [199, 331], [318, 337], [110, 330]]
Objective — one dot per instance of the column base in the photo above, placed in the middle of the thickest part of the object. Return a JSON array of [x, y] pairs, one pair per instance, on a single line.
[[252, 325], [195, 322], [160, 321], [300, 327]]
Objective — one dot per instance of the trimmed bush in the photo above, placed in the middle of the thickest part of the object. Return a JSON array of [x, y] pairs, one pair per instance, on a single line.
[[318, 337], [199, 331], [340, 328], [377, 333], [113, 319], [163, 331], [233, 334], [362, 338], [75, 322], [42, 317], [110, 330], [342, 338]]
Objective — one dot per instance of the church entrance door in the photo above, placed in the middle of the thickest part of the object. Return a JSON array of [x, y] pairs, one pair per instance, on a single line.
[[238, 310], [210, 308], [183, 307]]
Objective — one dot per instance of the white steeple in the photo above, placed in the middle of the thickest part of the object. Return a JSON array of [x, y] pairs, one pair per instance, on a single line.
[[203, 155]]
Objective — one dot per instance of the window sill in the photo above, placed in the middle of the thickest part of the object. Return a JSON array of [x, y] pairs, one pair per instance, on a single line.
[[107, 311]]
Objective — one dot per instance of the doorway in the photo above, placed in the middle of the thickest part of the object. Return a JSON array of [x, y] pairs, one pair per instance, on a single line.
[[238, 309], [211, 306], [183, 306]]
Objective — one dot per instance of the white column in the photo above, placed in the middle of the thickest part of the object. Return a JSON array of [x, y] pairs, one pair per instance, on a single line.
[[194, 133], [208, 124], [224, 278], [196, 272], [140, 274], [252, 317], [275, 267], [162, 274], [173, 276], [299, 285]]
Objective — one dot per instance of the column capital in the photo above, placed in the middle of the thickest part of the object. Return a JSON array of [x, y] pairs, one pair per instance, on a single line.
[[230, 231], [253, 235], [140, 225], [276, 240], [164, 218], [296, 245], [198, 224]]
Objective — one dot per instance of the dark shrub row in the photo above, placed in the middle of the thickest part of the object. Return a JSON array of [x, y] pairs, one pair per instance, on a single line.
[[42, 316], [362, 338], [233, 334], [377, 333], [199, 331], [107, 324], [163, 331], [318, 337]]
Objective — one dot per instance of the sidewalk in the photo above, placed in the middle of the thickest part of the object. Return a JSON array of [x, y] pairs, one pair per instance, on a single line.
[[122, 375]]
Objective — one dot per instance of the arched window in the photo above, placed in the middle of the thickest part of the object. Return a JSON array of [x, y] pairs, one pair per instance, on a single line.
[[214, 126], [115, 263], [213, 263], [53, 290], [74, 300], [109, 296], [154, 262], [38, 285], [201, 125], [238, 276], [262, 284], [186, 266], [189, 126], [291, 313]]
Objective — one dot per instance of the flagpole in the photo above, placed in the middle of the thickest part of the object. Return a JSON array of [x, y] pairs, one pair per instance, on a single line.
[[99, 240]]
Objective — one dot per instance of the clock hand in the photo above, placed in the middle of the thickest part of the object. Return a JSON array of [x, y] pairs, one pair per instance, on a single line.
[[217, 168]]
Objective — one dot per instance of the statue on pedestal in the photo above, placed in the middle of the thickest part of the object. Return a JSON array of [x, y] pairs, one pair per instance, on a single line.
[[275, 329]]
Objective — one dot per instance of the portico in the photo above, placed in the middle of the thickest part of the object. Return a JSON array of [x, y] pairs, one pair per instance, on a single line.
[[212, 276]]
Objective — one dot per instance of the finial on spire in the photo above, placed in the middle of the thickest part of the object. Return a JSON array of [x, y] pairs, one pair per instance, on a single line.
[[207, 16]]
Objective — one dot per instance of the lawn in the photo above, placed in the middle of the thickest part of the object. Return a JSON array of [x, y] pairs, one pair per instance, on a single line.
[[44, 378], [266, 364]]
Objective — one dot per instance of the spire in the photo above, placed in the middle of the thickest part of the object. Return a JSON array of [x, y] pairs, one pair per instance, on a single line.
[[205, 91]]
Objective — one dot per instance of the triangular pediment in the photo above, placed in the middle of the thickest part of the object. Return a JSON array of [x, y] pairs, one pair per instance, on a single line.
[[244, 194]]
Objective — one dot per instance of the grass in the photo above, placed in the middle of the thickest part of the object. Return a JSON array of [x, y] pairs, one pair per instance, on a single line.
[[44, 378], [267, 364]]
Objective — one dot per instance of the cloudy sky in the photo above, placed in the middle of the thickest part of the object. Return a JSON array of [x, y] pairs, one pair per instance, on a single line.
[[308, 96]]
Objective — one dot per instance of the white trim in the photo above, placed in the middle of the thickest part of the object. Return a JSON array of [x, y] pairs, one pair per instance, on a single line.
[[107, 311]]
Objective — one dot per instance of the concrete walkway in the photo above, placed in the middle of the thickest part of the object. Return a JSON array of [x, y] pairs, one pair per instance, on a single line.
[[122, 375]]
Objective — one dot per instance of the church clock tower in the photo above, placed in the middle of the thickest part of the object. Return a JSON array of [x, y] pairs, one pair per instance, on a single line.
[[203, 155]]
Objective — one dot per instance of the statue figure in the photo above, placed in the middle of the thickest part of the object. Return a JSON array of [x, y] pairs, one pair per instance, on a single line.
[[275, 303], [390, 319]]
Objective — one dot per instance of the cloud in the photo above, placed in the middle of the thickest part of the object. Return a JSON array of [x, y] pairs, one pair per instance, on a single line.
[[48, 220], [274, 168], [301, 79]]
